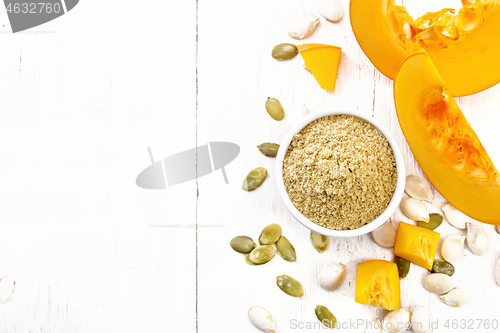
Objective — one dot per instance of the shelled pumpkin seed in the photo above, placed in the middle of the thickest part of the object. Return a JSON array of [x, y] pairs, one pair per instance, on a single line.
[[289, 285], [284, 51], [262, 254], [270, 234], [325, 316], [275, 109], [403, 267], [254, 179], [443, 266], [286, 249], [247, 260], [320, 242], [269, 149], [435, 221], [242, 244]]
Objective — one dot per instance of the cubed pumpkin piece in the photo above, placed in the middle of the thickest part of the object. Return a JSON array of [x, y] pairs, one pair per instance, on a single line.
[[323, 61], [377, 283], [416, 244]]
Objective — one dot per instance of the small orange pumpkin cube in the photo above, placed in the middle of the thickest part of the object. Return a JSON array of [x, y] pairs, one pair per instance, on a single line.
[[377, 283], [416, 244]]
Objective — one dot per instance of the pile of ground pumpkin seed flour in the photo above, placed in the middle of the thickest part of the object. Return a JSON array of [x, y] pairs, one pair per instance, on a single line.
[[340, 172]]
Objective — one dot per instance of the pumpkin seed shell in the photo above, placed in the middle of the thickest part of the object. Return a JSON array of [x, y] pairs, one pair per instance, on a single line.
[[262, 254], [443, 266], [242, 244], [254, 179], [320, 242], [285, 249], [403, 267], [284, 51], [270, 234], [325, 316], [275, 109], [289, 285], [435, 221], [269, 149]]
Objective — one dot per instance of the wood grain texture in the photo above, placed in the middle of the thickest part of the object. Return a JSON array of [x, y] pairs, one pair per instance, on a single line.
[[84, 95]]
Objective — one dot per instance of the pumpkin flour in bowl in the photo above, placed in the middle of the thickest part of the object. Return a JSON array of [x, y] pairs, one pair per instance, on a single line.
[[340, 172]]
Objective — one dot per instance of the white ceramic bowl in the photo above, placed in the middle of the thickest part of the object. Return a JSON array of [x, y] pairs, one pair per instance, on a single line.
[[400, 166]]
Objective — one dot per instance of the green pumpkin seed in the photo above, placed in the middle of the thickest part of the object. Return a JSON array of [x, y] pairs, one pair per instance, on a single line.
[[270, 234], [403, 267], [443, 266], [289, 285], [254, 179], [284, 51], [320, 242], [275, 109], [261, 254], [242, 244], [247, 260], [285, 249], [435, 221], [269, 149], [325, 316]]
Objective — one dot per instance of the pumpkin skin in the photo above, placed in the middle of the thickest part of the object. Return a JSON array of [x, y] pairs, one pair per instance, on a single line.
[[443, 143], [464, 47]]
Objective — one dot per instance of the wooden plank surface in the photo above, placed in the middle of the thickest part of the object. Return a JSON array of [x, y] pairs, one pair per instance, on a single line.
[[85, 95]]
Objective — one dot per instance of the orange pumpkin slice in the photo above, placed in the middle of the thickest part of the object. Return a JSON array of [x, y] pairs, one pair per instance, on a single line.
[[464, 46], [323, 61], [443, 143], [377, 283]]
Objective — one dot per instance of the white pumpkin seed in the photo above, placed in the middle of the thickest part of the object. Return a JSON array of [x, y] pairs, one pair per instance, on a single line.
[[477, 240], [261, 319], [438, 283], [303, 26], [332, 10], [397, 321], [331, 275], [497, 273], [415, 209], [421, 320], [453, 247], [385, 235], [455, 217], [455, 298], [418, 188]]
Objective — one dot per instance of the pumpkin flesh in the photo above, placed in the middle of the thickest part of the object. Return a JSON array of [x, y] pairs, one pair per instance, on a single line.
[[464, 46], [443, 143]]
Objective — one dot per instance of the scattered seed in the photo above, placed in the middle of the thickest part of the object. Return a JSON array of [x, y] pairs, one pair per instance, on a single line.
[[269, 149], [275, 109], [242, 244], [303, 26], [289, 285], [403, 267], [455, 217], [254, 179], [452, 247], [284, 51], [285, 249], [442, 266], [421, 320], [397, 321], [325, 316], [247, 260], [435, 221], [477, 240], [320, 242], [418, 188], [261, 319], [261, 254], [332, 10], [385, 235], [438, 283], [415, 209], [331, 275], [270, 234], [455, 298]]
